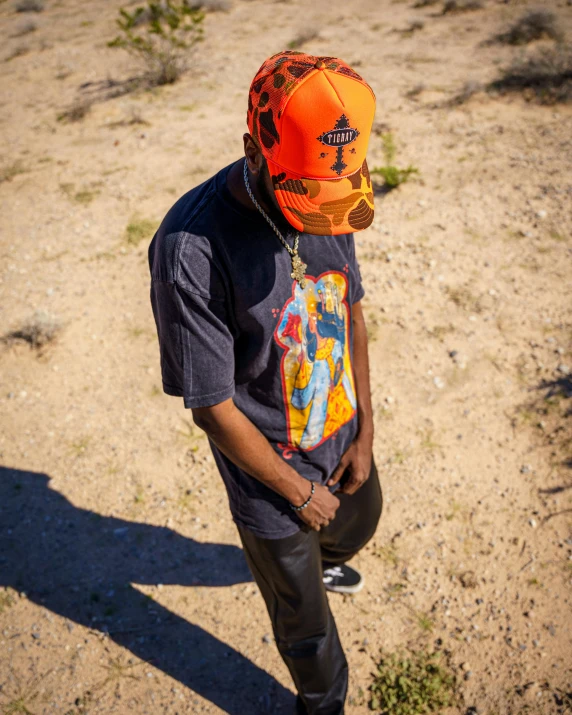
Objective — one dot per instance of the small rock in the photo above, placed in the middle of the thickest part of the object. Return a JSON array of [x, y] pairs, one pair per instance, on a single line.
[[541, 214], [266, 638], [532, 523], [439, 383], [525, 469], [563, 369]]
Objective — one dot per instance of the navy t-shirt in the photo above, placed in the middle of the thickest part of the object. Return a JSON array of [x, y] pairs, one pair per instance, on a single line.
[[233, 324]]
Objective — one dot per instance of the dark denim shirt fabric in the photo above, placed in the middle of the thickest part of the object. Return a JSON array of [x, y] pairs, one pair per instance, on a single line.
[[233, 324]]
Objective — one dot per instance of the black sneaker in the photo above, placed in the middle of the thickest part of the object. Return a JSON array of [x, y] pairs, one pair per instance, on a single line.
[[342, 579]]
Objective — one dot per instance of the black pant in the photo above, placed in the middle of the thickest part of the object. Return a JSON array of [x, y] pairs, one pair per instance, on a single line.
[[289, 574]]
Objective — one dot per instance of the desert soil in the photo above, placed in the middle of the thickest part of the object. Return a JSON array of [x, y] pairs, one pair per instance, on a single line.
[[124, 588]]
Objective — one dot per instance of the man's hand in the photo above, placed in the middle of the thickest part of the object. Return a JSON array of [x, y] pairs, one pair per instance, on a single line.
[[321, 509], [357, 461]]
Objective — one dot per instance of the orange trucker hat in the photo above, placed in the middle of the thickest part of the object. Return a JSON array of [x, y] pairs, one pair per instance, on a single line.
[[311, 117]]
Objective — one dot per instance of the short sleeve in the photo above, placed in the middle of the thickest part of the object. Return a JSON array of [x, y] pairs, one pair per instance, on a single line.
[[193, 323], [356, 291]]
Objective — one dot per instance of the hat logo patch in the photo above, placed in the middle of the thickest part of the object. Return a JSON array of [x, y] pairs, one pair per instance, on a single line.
[[340, 136]]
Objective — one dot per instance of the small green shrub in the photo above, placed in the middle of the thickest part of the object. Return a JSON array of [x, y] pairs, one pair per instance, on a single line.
[[392, 175], [161, 36], [411, 684]]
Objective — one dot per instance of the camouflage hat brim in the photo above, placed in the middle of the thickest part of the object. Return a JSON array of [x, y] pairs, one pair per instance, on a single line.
[[324, 207]]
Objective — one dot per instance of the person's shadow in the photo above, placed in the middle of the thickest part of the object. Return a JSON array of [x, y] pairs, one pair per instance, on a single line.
[[81, 565]]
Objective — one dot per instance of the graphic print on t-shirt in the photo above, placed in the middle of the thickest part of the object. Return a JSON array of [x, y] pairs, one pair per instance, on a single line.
[[317, 376]]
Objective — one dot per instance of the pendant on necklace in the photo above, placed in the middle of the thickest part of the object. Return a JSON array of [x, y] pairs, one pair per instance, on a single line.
[[298, 269]]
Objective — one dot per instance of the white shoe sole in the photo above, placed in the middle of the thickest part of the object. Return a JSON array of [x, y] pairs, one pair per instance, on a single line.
[[345, 589]]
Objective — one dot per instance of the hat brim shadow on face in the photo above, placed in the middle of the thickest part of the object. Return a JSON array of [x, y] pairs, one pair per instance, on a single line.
[[324, 207]]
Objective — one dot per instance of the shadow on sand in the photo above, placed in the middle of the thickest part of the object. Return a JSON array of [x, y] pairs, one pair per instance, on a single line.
[[81, 566]]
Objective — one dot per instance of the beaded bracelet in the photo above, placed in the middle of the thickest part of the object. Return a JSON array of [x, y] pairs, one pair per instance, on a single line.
[[308, 500]]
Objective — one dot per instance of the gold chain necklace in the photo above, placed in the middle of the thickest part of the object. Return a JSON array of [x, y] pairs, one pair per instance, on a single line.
[[298, 265]]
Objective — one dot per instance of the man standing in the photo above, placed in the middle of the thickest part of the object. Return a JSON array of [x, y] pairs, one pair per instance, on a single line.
[[256, 294]]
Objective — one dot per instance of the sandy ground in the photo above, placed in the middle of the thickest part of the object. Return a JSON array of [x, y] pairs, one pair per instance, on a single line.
[[124, 587]]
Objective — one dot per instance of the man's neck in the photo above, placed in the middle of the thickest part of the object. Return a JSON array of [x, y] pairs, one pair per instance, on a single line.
[[235, 184]]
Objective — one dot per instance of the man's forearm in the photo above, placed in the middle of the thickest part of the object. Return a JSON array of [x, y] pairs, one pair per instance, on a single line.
[[361, 374], [243, 443]]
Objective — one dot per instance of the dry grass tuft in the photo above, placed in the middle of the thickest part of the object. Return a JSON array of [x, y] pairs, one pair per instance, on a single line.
[[135, 118], [139, 229], [211, 5], [19, 51], [22, 696], [38, 331], [457, 6], [29, 6], [304, 36], [412, 28], [76, 112], [533, 25], [10, 171], [416, 90], [468, 90], [545, 76], [24, 28]]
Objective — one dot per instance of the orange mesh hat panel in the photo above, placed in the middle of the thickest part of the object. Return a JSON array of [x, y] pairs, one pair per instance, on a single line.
[[312, 117]]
